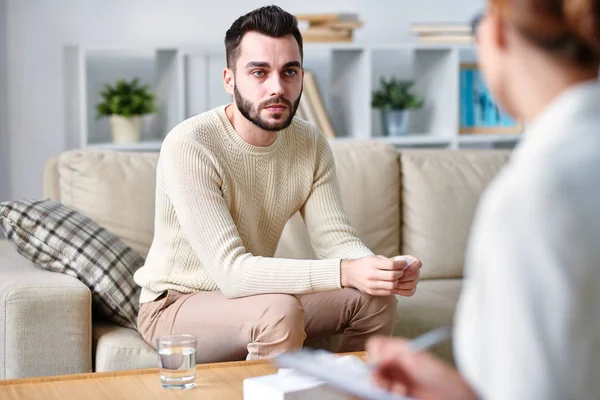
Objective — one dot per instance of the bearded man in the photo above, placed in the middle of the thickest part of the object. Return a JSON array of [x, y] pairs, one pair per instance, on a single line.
[[227, 182]]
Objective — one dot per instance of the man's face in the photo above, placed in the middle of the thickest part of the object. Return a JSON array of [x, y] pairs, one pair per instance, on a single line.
[[268, 80]]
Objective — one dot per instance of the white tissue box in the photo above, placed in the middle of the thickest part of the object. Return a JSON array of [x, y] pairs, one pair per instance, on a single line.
[[288, 385]]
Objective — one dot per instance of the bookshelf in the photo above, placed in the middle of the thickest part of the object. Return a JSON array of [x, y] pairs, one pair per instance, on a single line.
[[189, 81]]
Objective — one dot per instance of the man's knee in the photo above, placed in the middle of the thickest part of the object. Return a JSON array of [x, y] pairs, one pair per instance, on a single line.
[[382, 310], [284, 316], [387, 306]]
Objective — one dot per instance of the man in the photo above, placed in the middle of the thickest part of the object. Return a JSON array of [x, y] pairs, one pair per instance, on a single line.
[[228, 180]]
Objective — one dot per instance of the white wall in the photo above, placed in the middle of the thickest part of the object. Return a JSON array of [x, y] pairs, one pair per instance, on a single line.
[[39, 29], [4, 165]]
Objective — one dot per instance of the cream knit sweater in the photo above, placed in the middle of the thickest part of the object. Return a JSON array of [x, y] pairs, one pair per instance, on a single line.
[[222, 204]]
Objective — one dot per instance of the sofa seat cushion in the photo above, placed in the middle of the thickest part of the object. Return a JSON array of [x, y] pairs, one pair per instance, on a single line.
[[62, 240], [118, 348], [432, 306]]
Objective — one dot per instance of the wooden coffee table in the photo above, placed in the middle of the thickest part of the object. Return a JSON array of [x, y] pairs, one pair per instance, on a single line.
[[213, 381]]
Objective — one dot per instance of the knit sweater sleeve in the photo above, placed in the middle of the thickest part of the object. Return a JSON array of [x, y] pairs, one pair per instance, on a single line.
[[193, 185], [329, 228]]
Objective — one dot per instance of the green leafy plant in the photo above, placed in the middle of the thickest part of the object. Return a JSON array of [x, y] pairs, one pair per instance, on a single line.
[[394, 94], [126, 98]]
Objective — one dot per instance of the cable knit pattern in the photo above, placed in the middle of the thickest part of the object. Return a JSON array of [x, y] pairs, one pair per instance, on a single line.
[[222, 204]]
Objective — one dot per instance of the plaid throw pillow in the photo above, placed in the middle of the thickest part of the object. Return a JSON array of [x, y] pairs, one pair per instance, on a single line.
[[60, 239]]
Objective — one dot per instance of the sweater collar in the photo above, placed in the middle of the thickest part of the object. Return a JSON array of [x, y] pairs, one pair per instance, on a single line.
[[241, 143]]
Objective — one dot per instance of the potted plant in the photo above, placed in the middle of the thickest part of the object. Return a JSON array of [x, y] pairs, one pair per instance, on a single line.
[[395, 101], [124, 104]]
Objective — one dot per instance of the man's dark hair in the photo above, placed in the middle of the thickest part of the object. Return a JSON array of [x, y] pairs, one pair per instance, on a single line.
[[269, 20]]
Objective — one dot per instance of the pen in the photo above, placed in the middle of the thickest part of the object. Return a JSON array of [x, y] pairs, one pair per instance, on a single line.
[[430, 338], [424, 341]]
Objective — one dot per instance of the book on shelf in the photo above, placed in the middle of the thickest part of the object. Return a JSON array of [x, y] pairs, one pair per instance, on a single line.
[[479, 112], [299, 112], [344, 25], [442, 32], [326, 35], [312, 107], [327, 17], [305, 110], [440, 29], [328, 27], [446, 39]]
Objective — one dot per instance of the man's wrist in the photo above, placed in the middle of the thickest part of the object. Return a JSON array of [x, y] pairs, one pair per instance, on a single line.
[[344, 281]]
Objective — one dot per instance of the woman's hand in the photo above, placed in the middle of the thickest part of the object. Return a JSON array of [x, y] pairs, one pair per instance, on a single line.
[[415, 374]]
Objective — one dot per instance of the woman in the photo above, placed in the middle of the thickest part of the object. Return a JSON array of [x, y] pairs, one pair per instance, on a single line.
[[528, 322]]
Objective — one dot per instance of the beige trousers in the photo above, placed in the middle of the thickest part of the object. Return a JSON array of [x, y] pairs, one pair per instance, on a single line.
[[264, 326]]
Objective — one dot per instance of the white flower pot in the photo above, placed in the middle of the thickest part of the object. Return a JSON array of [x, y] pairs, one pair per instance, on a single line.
[[395, 122], [125, 130]]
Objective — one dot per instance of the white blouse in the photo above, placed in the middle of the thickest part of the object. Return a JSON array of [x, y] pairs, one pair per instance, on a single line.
[[528, 321]]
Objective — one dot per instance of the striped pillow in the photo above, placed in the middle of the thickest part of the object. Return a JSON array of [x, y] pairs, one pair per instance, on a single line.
[[60, 239]]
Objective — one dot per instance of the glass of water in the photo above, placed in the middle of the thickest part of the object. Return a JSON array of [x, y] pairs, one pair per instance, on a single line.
[[177, 361]]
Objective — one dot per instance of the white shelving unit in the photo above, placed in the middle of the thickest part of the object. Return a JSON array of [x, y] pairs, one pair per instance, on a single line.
[[487, 138], [87, 70], [189, 81], [418, 140]]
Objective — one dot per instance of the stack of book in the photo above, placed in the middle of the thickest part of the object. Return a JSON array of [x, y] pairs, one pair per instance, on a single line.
[[328, 27], [312, 107], [442, 32]]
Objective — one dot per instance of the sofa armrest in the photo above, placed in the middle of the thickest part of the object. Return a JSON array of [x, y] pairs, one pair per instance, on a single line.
[[45, 320]]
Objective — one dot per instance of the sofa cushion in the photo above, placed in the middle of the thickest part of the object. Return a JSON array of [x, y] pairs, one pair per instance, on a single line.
[[432, 306], [115, 189], [368, 174], [118, 348], [87, 181], [440, 192], [61, 240]]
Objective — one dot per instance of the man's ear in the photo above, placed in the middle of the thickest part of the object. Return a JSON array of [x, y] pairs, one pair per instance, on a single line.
[[228, 80]]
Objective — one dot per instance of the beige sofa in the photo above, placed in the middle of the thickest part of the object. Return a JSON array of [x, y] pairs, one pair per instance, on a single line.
[[417, 202]]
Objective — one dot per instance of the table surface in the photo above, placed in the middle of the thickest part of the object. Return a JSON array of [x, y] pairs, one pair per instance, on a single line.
[[213, 381]]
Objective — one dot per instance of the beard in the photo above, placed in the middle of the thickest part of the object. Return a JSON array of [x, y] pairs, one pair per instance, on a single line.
[[252, 113]]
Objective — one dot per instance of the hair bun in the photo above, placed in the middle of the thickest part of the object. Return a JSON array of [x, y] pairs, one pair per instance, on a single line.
[[583, 19]]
